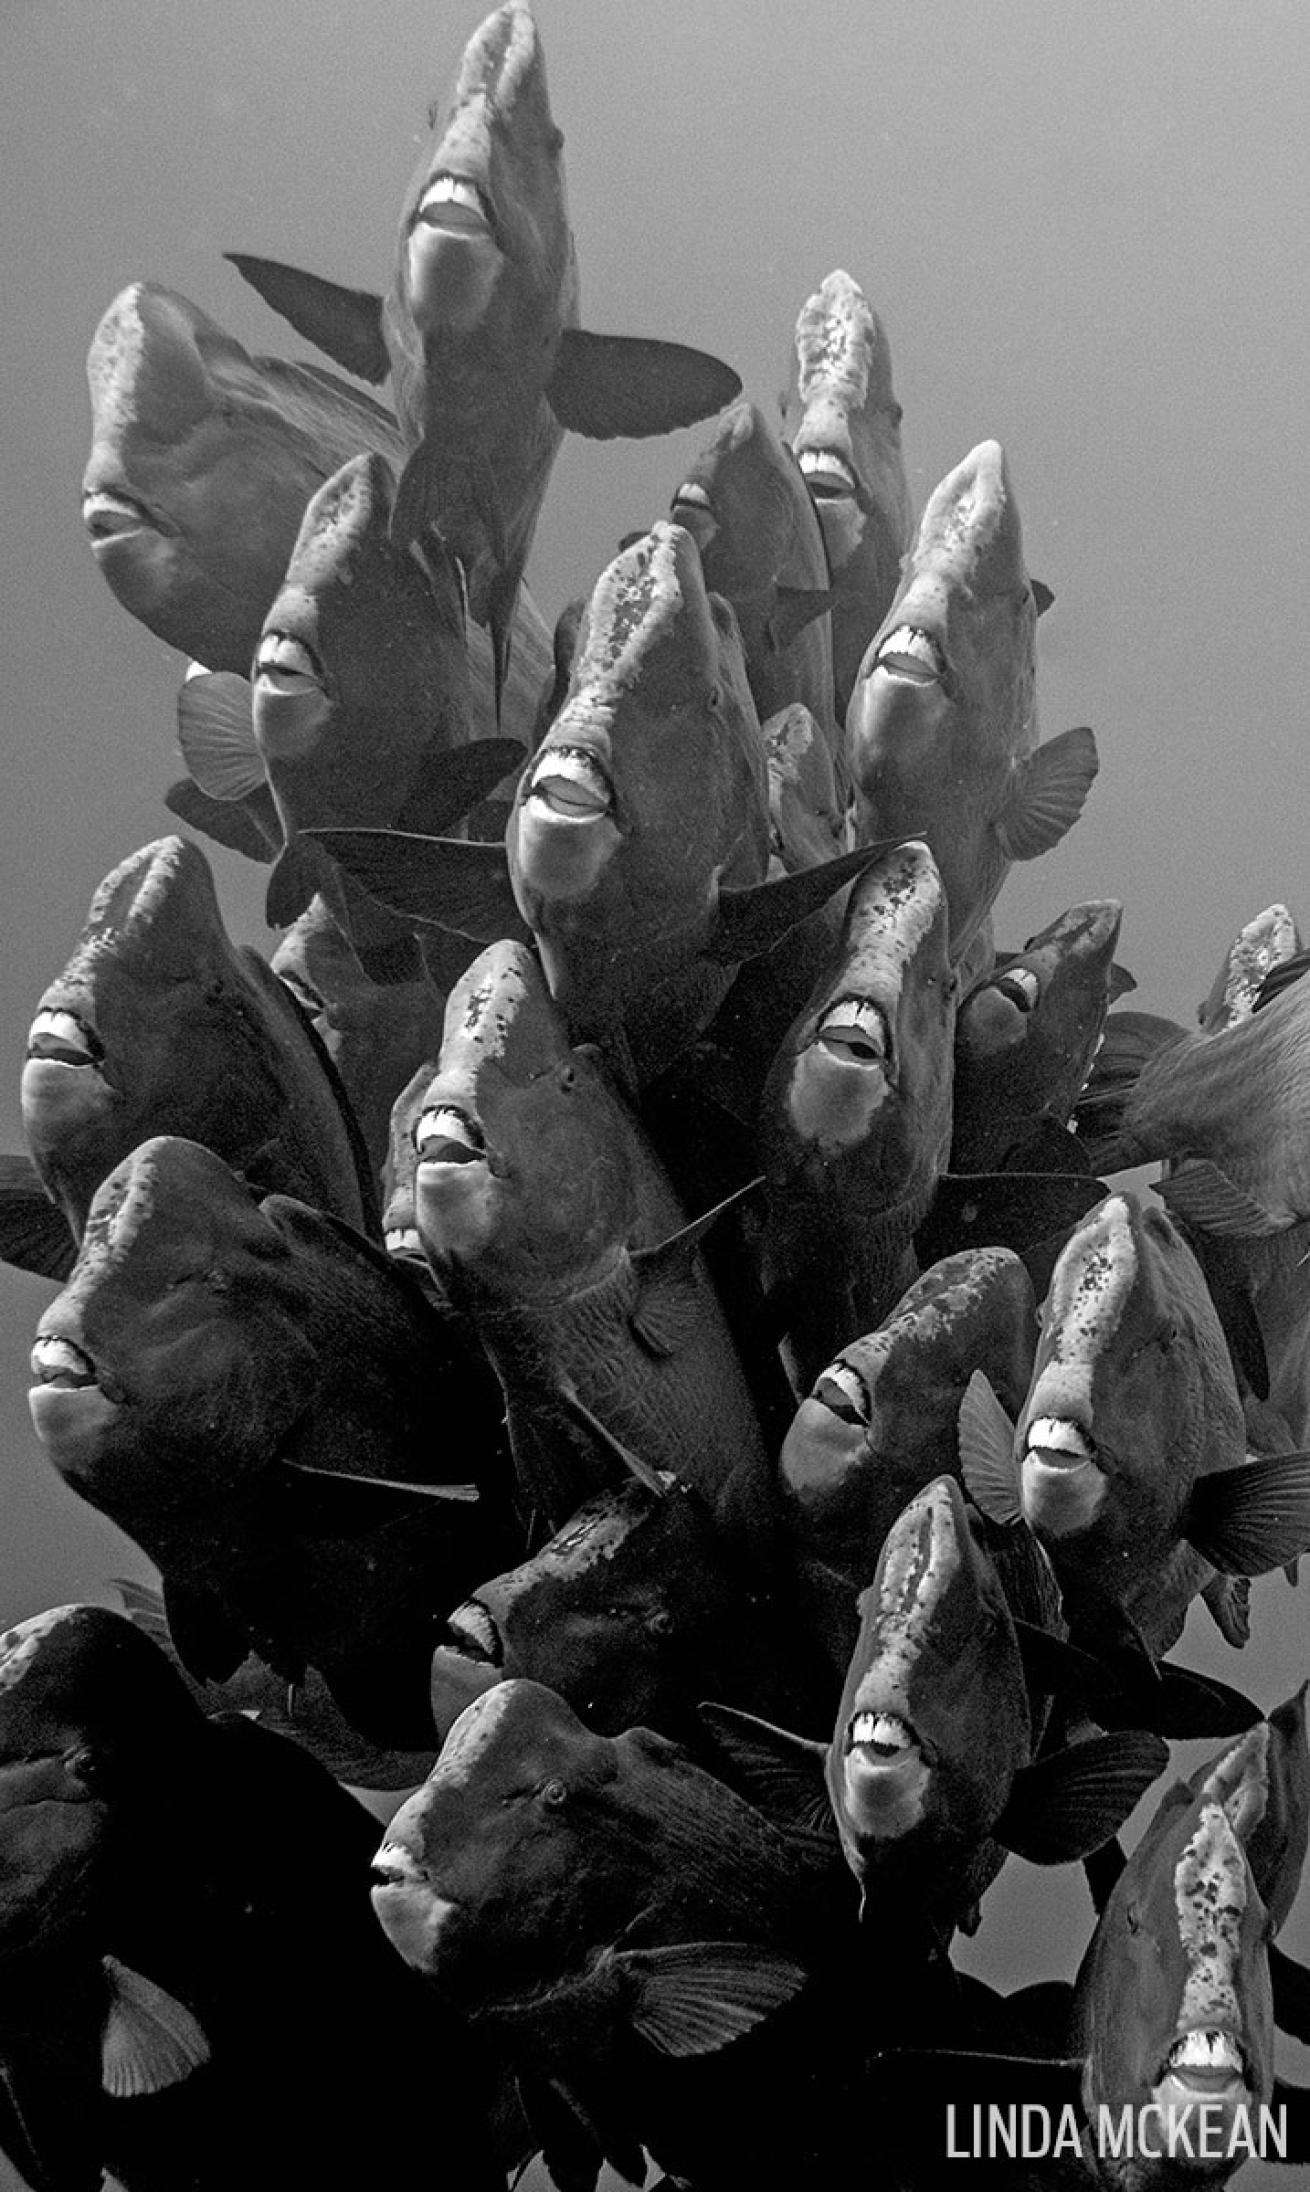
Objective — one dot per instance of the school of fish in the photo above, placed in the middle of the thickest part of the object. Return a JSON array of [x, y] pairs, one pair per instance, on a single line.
[[623, 1331]]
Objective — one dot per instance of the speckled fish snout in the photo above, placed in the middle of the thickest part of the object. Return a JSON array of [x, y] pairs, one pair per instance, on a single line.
[[1063, 1485]]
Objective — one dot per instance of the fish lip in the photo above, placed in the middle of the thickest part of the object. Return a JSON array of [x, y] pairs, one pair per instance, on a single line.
[[916, 645], [1207, 2082], [100, 503], [693, 509], [847, 1408], [1010, 984], [1079, 1450], [582, 768], [870, 1048], [91, 1043], [827, 475], [471, 1632], [271, 638], [96, 1379], [405, 1244], [423, 219], [894, 1758], [451, 1148]]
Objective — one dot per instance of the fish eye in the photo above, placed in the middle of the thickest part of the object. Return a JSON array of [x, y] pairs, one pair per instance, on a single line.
[[566, 1080], [714, 697], [85, 1766], [1131, 1919], [553, 1794], [660, 1623]]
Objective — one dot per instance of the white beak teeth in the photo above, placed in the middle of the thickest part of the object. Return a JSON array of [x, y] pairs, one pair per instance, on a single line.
[[59, 1362], [856, 1030], [403, 1240], [447, 1136], [1020, 985], [693, 496], [842, 1389], [61, 1036], [911, 655], [885, 1732], [1057, 1442], [456, 190], [475, 1632], [826, 465], [569, 782], [286, 664], [1206, 2050], [105, 516]]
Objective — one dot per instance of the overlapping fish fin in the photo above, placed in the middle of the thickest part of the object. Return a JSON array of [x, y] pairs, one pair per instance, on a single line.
[[354, 1511], [344, 323], [1049, 790], [411, 511], [1046, 2006], [34, 1235], [1019, 1210], [987, 1453], [249, 826], [1203, 1196], [570, 2146], [1229, 1284], [1280, 978], [634, 385], [1228, 1599], [451, 781], [668, 1304], [1102, 1867], [208, 1644], [1043, 595], [781, 1773], [1188, 1704], [150, 2040], [632, 1465], [1066, 1804], [501, 597], [1291, 1986], [907, 2084], [1254, 1517], [753, 918], [299, 871], [216, 732], [795, 608], [1134, 1691], [448, 883], [144, 1607], [695, 1997], [1049, 1147], [1129, 1042], [1121, 981]]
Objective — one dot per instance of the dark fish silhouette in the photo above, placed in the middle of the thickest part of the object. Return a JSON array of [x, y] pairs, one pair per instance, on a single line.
[[224, 1379], [160, 1025], [844, 424], [942, 724], [480, 328], [170, 1997]]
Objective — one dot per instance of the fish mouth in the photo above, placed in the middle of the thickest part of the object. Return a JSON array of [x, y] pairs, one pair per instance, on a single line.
[[457, 204], [883, 1741], [1059, 1444], [403, 1242], [1207, 2058], [472, 1633], [65, 1039], [911, 656], [844, 1393], [827, 475], [110, 515], [692, 509], [447, 1135], [1020, 985], [286, 665], [570, 783], [855, 1032], [59, 1362]]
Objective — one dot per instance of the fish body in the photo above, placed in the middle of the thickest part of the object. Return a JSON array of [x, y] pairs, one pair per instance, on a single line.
[[480, 329], [545, 1214], [856, 1116], [359, 712], [203, 458], [608, 1911], [169, 1996], [882, 1421], [1129, 1458], [844, 423], [1173, 2002], [942, 724], [207, 1359], [160, 1025], [745, 503], [633, 1613], [1024, 1040]]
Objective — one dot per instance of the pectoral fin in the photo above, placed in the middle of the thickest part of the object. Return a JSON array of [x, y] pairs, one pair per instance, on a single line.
[[1254, 1517], [694, 1998], [782, 1773], [298, 872], [1047, 797], [1065, 1805], [1228, 1599], [451, 781], [435, 882], [209, 1646], [794, 609], [1203, 1196], [150, 2041], [753, 919], [632, 1465], [216, 731], [344, 323], [34, 1235], [608, 385], [668, 1305], [987, 1453]]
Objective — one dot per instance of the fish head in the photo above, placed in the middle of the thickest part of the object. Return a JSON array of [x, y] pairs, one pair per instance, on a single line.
[[177, 1355], [737, 501], [948, 680], [1035, 1022], [840, 414], [610, 1613], [150, 1028], [863, 1066], [1263, 1781], [361, 663], [524, 1175], [1265, 943], [934, 1719], [197, 475], [485, 217], [1131, 1381], [656, 751], [491, 1879], [1172, 2002], [90, 1710], [806, 810]]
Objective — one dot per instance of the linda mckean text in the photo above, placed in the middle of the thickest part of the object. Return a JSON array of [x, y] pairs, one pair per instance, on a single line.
[[1196, 2130]]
